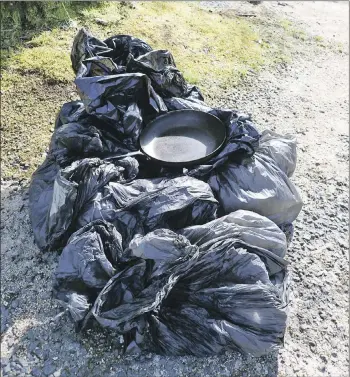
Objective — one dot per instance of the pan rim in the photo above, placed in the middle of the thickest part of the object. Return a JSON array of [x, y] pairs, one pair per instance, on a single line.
[[190, 162]]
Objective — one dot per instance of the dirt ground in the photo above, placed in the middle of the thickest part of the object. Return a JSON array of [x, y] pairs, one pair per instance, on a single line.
[[309, 98]]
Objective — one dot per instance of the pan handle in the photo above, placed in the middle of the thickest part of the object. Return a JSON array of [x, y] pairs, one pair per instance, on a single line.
[[121, 156]]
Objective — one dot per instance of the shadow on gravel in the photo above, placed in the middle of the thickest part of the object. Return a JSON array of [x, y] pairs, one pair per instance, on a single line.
[[38, 338]]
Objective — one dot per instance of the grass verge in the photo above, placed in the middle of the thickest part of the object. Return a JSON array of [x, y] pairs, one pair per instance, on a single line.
[[213, 51]]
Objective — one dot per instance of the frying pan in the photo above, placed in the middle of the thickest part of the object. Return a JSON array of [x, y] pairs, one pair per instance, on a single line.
[[180, 138]]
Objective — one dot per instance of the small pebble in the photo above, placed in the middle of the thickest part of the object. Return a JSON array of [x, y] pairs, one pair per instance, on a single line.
[[36, 372]]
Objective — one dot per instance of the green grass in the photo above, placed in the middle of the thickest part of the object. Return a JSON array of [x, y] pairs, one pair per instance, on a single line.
[[293, 31], [286, 24], [318, 38], [51, 63], [28, 114], [212, 51], [339, 47], [206, 47]]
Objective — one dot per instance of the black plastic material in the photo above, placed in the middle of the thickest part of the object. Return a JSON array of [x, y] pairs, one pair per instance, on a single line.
[[143, 249], [198, 291]]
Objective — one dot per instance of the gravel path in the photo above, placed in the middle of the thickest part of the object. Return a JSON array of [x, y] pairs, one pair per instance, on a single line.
[[308, 98]]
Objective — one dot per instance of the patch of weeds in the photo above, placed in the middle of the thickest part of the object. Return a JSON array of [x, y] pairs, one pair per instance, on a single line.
[[339, 47], [51, 63], [37, 36], [286, 24], [9, 80], [299, 34], [289, 28], [318, 38], [29, 108], [320, 41]]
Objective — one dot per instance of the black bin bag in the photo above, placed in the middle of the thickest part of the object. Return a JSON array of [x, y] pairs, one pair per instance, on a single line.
[[143, 205], [123, 84], [92, 189], [178, 261], [121, 101], [258, 182], [57, 196], [281, 148], [258, 185], [86, 264], [221, 285], [227, 298]]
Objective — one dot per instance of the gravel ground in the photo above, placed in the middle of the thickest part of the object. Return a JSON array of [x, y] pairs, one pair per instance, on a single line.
[[308, 98]]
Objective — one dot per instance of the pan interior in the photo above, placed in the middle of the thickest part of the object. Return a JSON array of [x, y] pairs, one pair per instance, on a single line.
[[182, 137]]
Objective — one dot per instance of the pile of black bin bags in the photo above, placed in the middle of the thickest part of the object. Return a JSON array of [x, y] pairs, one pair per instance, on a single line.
[[188, 262]]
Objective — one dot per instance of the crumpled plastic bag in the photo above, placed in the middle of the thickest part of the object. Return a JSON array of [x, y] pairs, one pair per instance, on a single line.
[[88, 261], [74, 141], [258, 185], [258, 182], [281, 148], [144, 205], [93, 189], [114, 51], [248, 230], [200, 291], [57, 195], [160, 67], [148, 85], [122, 101], [256, 176], [114, 109], [143, 252]]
